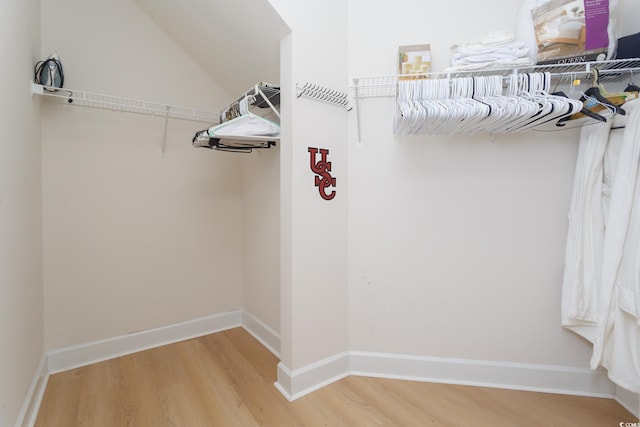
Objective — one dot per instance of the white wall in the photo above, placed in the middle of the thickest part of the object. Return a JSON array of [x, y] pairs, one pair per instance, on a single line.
[[456, 243], [626, 15], [21, 325], [261, 192], [314, 253], [133, 239]]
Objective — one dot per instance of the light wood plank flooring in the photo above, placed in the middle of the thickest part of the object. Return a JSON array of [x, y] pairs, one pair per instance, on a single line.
[[226, 379]]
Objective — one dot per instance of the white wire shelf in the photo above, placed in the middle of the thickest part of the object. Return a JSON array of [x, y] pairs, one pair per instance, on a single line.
[[609, 71], [107, 102]]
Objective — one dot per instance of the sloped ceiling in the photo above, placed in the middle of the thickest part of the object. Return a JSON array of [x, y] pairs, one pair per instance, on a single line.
[[237, 42]]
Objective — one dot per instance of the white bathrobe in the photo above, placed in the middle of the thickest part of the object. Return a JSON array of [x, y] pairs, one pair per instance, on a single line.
[[617, 334], [601, 284], [583, 259]]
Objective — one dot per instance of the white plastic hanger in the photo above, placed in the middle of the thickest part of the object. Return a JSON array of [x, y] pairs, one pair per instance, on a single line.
[[247, 126]]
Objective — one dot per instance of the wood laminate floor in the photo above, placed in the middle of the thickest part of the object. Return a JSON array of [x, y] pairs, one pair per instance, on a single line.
[[226, 379]]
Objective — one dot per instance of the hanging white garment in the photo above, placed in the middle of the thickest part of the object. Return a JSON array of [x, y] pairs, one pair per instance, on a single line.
[[621, 349], [583, 256], [611, 157], [617, 334]]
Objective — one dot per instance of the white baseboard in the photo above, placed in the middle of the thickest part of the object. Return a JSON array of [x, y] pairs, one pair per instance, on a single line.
[[263, 333], [629, 400], [85, 354], [305, 380], [515, 376], [31, 404], [295, 384]]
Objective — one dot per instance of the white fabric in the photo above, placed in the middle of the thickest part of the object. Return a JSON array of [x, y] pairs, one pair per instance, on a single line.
[[496, 49], [601, 285], [493, 64], [485, 53], [617, 335], [621, 352], [611, 157], [583, 256]]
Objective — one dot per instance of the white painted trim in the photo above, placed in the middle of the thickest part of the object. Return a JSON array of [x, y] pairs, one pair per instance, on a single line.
[[262, 332], [296, 384], [97, 351], [305, 380], [515, 376], [629, 400], [283, 381], [33, 398]]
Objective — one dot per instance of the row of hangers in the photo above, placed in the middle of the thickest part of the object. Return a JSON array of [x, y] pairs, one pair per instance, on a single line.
[[496, 104]]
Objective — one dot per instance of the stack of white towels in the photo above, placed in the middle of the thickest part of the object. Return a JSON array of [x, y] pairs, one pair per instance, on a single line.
[[498, 49]]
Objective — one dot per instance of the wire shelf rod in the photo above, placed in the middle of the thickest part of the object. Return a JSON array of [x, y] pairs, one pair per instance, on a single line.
[[108, 102], [609, 71]]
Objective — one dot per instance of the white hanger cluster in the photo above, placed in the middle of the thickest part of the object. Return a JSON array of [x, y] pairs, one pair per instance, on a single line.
[[246, 125], [485, 104]]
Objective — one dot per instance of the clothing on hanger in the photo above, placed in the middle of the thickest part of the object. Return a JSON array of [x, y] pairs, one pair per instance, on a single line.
[[583, 254], [617, 335], [601, 284]]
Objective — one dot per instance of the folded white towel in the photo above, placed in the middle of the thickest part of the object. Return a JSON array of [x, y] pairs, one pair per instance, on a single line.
[[471, 66], [497, 49], [515, 49]]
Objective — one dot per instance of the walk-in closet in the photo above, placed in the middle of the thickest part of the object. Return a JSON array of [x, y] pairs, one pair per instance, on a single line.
[[334, 212]]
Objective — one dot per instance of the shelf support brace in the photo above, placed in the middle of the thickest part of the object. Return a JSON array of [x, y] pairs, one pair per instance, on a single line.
[[164, 133], [357, 96]]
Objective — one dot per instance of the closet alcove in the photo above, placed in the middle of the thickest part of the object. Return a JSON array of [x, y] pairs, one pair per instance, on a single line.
[[142, 229], [238, 44], [435, 250]]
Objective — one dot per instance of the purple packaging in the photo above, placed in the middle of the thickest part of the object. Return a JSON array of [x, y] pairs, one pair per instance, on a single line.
[[569, 31]]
